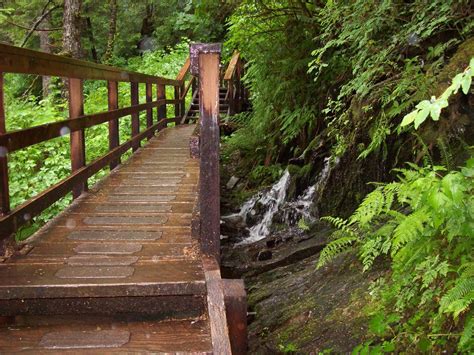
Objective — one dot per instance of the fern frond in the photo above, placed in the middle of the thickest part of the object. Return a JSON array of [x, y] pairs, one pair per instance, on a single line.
[[410, 228], [335, 248], [466, 342]]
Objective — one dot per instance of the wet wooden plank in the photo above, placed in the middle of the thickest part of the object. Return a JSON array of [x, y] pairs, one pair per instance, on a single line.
[[95, 272], [96, 339], [185, 336], [104, 248], [101, 260]]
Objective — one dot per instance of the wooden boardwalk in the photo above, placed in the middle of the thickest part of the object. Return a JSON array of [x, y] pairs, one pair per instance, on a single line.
[[126, 247], [132, 265]]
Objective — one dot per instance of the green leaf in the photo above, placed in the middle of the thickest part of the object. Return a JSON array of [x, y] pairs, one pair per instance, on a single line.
[[466, 84], [421, 116], [408, 119]]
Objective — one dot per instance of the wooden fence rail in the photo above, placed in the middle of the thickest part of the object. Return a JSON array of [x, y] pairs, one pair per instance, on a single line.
[[24, 61]]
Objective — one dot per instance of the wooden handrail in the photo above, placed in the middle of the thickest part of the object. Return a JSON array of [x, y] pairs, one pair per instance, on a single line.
[[26, 61], [229, 73]]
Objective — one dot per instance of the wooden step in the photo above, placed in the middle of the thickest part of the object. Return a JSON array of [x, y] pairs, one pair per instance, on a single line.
[[100, 335]]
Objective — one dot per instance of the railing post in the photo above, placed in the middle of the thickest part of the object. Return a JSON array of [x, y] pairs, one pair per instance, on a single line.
[[114, 140], [205, 59], [78, 142], [135, 116], [182, 108], [149, 111], [177, 105], [4, 189], [161, 95]]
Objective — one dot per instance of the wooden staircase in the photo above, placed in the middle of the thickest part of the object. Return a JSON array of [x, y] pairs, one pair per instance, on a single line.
[[192, 115]]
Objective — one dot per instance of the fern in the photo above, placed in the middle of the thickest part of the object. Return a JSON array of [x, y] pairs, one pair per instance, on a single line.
[[335, 248]]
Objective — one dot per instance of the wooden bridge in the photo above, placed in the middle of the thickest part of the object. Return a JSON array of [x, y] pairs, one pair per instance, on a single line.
[[132, 266]]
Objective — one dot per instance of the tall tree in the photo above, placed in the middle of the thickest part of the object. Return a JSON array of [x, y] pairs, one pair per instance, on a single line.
[[45, 46], [72, 28]]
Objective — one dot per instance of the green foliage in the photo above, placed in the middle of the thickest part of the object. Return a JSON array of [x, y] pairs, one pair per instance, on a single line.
[[425, 224], [434, 106]]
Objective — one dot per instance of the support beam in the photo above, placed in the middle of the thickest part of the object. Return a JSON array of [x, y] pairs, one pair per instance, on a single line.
[[161, 95], [4, 189], [149, 112], [235, 300], [208, 57], [78, 142], [135, 116], [114, 139]]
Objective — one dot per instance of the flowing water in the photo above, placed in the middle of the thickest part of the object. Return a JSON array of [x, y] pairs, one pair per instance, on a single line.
[[274, 202]]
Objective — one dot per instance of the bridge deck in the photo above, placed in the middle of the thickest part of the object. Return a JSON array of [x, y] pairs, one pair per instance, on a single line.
[[124, 251]]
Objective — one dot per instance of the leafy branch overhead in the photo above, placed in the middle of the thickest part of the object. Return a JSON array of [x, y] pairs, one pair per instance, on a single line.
[[434, 106]]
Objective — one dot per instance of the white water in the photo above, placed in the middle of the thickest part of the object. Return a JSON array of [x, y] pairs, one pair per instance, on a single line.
[[274, 201]]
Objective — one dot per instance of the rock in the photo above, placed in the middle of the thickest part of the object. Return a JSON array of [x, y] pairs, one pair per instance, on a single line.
[[233, 220], [232, 182], [264, 255]]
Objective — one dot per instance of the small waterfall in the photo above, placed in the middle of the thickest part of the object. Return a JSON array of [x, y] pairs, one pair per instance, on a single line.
[[274, 202]]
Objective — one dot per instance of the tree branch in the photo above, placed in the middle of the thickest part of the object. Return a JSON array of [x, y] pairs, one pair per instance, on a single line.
[[43, 15]]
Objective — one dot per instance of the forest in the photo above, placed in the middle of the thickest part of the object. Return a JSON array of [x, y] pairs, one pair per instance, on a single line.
[[351, 215]]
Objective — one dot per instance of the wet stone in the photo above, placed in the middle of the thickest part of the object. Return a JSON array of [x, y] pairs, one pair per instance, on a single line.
[[141, 198], [101, 260], [85, 339], [119, 220], [95, 272], [132, 208], [115, 235], [104, 248]]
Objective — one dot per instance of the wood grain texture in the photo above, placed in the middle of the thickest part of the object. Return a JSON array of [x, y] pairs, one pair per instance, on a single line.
[[26, 61], [4, 189]]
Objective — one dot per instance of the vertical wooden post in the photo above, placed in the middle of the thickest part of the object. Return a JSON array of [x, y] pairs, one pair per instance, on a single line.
[[235, 300], [182, 108], [208, 57], [231, 96], [149, 112], [177, 105], [114, 140], [4, 189], [78, 142], [161, 95], [135, 116]]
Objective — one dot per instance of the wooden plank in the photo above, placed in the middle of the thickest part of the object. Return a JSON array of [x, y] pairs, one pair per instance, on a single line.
[[216, 307], [16, 140], [78, 142], [15, 219], [149, 112], [235, 300], [26, 61], [114, 140], [209, 152], [161, 95], [134, 96], [4, 189]]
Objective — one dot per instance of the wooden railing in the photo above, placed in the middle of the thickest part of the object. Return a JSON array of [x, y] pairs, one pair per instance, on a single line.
[[24, 61], [235, 95]]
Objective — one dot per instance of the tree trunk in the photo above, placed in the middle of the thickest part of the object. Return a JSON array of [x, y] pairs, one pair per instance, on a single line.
[[90, 34], [112, 31], [45, 46], [72, 28]]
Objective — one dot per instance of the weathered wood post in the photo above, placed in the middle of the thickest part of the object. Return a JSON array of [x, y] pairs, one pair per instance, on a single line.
[[205, 60], [113, 124], [235, 299], [78, 140], [149, 111], [135, 116], [161, 95], [4, 190]]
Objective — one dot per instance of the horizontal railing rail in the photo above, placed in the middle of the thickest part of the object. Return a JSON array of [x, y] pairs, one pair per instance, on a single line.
[[24, 61]]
